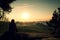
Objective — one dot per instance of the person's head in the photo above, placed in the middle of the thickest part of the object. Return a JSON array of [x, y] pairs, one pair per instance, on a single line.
[[13, 20]]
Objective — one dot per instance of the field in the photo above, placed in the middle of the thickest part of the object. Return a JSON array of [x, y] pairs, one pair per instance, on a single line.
[[32, 29]]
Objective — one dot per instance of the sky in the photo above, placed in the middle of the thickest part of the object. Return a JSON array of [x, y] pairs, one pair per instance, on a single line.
[[33, 10]]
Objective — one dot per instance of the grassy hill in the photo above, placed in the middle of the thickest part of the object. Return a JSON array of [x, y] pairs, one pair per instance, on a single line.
[[29, 28]]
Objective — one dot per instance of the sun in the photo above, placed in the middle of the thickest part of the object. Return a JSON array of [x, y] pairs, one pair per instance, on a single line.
[[25, 15]]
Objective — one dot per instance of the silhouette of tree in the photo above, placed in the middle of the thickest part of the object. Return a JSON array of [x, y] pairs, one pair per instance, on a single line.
[[55, 22], [5, 7], [5, 4]]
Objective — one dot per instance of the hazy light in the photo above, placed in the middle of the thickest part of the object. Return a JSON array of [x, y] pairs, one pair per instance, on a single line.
[[25, 15]]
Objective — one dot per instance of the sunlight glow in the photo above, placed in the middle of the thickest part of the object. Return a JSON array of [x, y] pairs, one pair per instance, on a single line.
[[28, 14], [25, 15]]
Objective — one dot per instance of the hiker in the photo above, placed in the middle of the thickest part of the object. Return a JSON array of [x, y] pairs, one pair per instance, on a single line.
[[12, 26]]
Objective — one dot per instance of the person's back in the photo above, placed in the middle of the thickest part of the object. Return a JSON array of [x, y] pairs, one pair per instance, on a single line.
[[12, 26]]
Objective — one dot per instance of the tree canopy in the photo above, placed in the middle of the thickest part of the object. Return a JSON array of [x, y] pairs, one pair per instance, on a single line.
[[5, 5], [55, 22]]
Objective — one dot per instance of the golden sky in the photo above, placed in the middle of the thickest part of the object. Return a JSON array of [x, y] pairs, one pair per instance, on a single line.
[[33, 10]]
